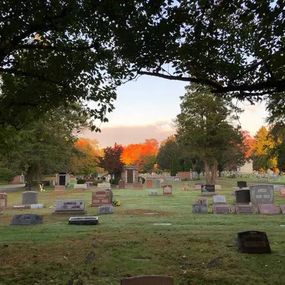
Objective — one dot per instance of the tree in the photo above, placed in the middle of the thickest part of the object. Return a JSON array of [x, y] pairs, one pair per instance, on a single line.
[[202, 127], [44, 146], [262, 151], [85, 159], [68, 51], [139, 154], [111, 161]]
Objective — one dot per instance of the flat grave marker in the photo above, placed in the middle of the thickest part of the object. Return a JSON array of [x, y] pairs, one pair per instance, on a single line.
[[153, 192], [105, 209], [253, 242], [221, 209], [244, 209], [268, 209], [219, 199], [85, 220], [27, 219]]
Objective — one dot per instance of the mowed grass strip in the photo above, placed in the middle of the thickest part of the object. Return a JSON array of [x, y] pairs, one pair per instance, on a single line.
[[145, 235]]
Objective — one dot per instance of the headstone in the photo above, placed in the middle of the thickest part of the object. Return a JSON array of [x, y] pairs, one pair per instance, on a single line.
[[69, 206], [27, 219], [148, 280], [149, 184], [167, 190], [219, 199], [268, 209], [262, 194], [200, 207], [121, 184], [244, 209], [85, 220], [100, 198], [241, 184], [37, 206], [218, 187], [282, 192], [105, 209], [153, 192], [198, 186], [29, 197], [104, 186], [282, 208], [208, 189], [3, 200], [242, 196], [221, 209], [253, 242]]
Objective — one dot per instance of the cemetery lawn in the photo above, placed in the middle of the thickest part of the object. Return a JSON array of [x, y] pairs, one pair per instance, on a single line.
[[145, 235]]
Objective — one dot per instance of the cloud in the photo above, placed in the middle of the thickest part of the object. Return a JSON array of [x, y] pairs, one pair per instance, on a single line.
[[125, 135]]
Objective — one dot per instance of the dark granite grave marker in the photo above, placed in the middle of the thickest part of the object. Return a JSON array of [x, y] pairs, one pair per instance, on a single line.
[[268, 209], [244, 209], [85, 220], [241, 184], [208, 189], [27, 219], [242, 196], [200, 207], [253, 242], [29, 197], [262, 194]]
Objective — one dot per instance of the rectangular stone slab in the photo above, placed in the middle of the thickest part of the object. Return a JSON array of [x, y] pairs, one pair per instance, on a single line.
[[27, 219], [244, 209], [106, 209], [268, 209], [85, 220], [221, 209], [70, 206], [219, 199], [262, 194], [253, 242]]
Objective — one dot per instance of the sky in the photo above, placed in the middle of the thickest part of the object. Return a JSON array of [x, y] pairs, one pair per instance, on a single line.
[[146, 108]]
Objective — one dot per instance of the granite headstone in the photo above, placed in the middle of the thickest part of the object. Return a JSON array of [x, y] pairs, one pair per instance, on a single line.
[[253, 242], [27, 219], [262, 194]]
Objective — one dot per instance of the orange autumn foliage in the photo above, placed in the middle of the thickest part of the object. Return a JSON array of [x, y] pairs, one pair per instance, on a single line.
[[88, 146], [249, 143], [133, 154]]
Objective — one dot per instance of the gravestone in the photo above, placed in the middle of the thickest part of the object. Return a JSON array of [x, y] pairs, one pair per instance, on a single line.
[[121, 184], [85, 220], [167, 189], [148, 280], [242, 196], [221, 209], [282, 208], [104, 186], [241, 184], [262, 194], [198, 186], [253, 242], [282, 192], [200, 207], [69, 206], [153, 192], [105, 209], [29, 197], [3, 200], [218, 187], [219, 199], [208, 189], [100, 198], [27, 219], [244, 209], [149, 184], [268, 209]]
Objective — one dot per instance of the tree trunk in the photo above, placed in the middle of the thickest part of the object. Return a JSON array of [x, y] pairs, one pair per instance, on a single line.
[[211, 172]]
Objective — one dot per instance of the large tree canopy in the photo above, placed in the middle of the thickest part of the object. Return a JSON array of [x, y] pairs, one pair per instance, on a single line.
[[52, 52]]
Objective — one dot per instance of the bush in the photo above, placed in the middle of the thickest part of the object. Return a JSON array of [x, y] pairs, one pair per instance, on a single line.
[[6, 174], [81, 181]]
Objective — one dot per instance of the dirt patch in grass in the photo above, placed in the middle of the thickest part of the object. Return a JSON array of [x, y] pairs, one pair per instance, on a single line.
[[145, 212]]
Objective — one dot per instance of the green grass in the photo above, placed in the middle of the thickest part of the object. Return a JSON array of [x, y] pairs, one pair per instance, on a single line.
[[194, 249]]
